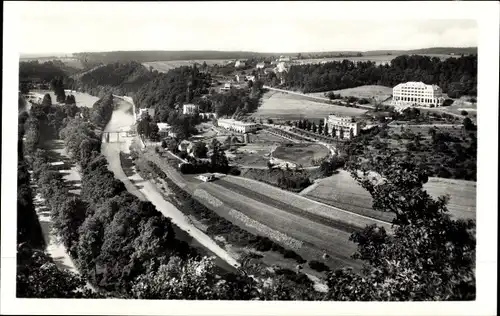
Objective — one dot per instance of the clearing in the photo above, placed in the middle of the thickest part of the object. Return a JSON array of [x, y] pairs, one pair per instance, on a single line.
[[280, 105]]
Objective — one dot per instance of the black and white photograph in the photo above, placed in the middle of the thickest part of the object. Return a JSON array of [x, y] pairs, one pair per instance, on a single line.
[[206, 154]]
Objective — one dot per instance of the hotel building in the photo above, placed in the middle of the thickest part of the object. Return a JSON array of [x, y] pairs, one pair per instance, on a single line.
[[344, 127], [417, 94]]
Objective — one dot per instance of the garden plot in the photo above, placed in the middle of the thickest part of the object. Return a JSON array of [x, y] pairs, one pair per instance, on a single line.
[[301, 154]]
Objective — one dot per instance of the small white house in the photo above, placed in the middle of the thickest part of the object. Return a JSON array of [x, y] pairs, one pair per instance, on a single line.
[[227, 87], [260, 65], [207, 177]]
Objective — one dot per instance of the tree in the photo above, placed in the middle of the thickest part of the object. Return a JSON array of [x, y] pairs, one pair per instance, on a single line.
[[314, 127], [47, 101], [200, 150], [218, 160], [67, 218], [320, 128], [325, 130], [91, 238], [464, 113], [468, 124], [39, 277], [429, 256], [154, 131]]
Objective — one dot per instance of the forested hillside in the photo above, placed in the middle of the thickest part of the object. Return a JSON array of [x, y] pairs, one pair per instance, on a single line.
[[117, 78], [168, 89], [456, 76], [44, 72]]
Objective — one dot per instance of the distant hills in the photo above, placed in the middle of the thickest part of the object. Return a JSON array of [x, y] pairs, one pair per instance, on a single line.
[[88, 60]]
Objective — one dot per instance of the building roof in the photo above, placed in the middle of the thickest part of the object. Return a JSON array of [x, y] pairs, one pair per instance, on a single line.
[[163, 126]]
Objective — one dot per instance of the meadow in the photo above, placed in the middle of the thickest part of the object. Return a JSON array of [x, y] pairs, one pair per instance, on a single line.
[[278, 105]]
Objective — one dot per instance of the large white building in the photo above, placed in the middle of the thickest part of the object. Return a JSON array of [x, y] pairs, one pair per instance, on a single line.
[[237, 126], [239, 63], [417, 94], [344, 127], [189, 108]]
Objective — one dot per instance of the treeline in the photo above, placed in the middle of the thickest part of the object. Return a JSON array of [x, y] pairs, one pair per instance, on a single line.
[[456, 76], [147, 56], [43, 72], [116, 78], [37, 276]]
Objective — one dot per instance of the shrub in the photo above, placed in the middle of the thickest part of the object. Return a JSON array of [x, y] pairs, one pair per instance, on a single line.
[[318, 266], [464, 113], [234, 171]]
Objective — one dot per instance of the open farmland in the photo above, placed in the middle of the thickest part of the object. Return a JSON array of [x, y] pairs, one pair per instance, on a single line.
[[301, 154], [164, 66], [378, 93], [341, 190], [277, 105], [377, 59]]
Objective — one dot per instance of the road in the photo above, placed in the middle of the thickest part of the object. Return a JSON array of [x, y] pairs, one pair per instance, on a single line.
[[145, 190]]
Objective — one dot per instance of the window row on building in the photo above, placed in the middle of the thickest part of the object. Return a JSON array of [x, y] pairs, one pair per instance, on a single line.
[[237, 126]]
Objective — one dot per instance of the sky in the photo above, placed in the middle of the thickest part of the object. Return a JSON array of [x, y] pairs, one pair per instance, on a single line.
[[67, 27]]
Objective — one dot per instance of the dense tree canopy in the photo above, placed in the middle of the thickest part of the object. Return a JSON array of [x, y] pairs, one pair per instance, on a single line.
[[117, 78], [169, 89]]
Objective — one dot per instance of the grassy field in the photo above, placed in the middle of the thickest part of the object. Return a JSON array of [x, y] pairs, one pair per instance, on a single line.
[[164, 66], [461, 104], [301, 154], [379, 93], [341, 190], [279, 105]]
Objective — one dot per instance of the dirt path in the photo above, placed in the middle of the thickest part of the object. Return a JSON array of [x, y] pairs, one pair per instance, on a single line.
[[122, 120]]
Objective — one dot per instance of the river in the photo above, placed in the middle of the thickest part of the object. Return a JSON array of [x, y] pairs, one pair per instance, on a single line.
[[121, 121]]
